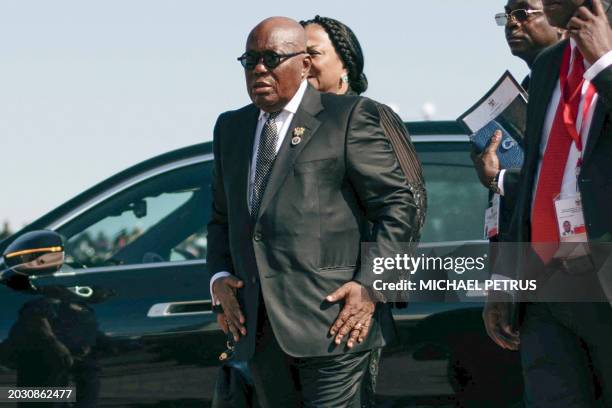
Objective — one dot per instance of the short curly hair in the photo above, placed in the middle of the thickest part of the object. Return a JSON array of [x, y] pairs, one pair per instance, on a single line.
[[348, 48]]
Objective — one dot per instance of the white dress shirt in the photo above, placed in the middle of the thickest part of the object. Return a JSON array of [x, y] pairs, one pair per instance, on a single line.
[[283, 120], [568, 185]]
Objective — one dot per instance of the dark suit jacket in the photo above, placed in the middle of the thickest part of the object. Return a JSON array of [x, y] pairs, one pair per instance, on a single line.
[[511, 177], [508, 200], [525, 82], [595, 181], [322, 195]]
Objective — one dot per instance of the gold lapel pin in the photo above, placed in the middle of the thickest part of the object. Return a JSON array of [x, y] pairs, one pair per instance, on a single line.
[[298, 132]]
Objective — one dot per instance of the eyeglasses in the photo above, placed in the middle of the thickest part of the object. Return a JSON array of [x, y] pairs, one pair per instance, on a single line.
[[519, 15], [271, 60]]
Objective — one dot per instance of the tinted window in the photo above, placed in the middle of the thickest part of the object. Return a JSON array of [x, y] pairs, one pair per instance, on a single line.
[[158, 220], [456, 200]]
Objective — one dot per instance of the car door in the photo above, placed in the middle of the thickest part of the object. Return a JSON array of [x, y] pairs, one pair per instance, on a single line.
[[129, 315]]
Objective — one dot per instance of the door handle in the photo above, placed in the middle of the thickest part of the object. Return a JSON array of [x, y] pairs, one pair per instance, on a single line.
[[171, 309]]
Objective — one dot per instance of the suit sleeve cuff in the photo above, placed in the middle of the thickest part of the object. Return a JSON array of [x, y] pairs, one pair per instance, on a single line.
[[216, 276], [602, 63], [500, 182]]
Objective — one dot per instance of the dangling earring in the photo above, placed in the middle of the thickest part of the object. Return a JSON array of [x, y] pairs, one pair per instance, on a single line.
[[344, 78]]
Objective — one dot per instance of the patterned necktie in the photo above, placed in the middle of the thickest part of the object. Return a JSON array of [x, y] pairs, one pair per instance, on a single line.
[[544, 229], [266, 153]]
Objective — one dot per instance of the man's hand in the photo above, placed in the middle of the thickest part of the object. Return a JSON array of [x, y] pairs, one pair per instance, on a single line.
[[591, 31], [224, 289], [222, 322], [496, 319], [356, 315], [487, 163]]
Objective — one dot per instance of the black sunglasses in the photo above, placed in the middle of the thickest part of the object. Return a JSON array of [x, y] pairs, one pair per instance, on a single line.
[[271, 60], [519, 15]]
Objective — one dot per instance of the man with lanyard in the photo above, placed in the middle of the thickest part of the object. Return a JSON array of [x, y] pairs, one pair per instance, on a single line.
[[527, 33], [566, 348]]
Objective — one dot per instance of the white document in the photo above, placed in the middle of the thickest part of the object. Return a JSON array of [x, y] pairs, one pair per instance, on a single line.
[[505, 98]]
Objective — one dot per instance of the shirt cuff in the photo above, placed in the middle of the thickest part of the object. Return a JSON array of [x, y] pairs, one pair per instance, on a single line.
[[602, 63], [216, 276], [498, 277], [500, 182]]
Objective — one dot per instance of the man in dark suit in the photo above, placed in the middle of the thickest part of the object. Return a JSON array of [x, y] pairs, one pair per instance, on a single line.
[[301, 180], [527, 33], [566, 348]]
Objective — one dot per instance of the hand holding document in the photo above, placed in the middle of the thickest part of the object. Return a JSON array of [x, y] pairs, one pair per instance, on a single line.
[[503, 107]]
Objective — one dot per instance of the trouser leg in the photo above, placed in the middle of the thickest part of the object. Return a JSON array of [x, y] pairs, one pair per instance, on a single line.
[[284, 381], [593, 322], [368, 388], [566, 350], [275, 380], [334, 381], [555, 365]]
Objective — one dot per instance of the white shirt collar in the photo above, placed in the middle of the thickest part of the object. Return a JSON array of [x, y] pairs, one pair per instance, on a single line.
[[293, 104]]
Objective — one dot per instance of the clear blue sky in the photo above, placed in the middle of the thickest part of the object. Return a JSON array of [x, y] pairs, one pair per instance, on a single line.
[[89, 88]]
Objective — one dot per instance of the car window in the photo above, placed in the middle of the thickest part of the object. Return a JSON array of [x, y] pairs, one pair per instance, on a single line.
[[157, 220], [456, 200]]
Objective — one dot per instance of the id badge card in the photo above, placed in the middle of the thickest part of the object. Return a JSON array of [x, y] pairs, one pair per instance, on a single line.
[[492, 218], [570, 221]]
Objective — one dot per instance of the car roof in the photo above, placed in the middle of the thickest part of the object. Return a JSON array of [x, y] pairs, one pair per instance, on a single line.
[[431, 128], [421, 129]]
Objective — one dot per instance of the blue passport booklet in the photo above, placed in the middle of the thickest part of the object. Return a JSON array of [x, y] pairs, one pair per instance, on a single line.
[[503, 107]]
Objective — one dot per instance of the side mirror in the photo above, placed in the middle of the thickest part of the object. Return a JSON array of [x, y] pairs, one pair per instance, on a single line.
[[34, 253]]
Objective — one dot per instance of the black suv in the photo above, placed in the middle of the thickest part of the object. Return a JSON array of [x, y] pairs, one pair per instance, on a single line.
[[128, 321]]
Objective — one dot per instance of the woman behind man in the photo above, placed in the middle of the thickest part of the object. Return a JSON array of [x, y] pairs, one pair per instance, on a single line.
[[337, 67]]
